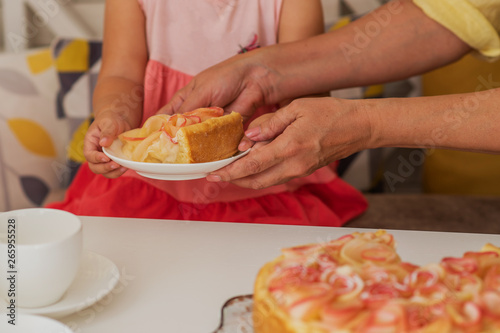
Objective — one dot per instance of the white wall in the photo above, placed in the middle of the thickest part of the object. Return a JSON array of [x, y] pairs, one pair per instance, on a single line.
[[1, 28]]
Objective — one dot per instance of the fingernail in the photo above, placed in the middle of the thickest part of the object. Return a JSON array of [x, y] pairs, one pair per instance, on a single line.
[[253, 132], [244, 146], [214, 178], [114, 166]]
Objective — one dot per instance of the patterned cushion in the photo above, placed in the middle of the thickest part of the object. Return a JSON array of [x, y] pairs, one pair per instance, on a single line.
[[32, 138], [46, 109], [78, 62]]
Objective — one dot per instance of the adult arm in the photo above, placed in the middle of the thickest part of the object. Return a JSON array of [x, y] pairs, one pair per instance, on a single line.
[[316, 132], [394, 42], [300, 20]]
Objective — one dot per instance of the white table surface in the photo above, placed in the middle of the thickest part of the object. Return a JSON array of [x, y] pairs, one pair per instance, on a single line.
[[176, 275]]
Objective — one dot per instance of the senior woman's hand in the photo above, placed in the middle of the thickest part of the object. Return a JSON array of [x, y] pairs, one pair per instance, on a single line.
[[306, 135], [240, 84]]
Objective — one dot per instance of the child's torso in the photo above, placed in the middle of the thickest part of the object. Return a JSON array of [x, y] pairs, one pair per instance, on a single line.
[[187, 36], [192, 35]]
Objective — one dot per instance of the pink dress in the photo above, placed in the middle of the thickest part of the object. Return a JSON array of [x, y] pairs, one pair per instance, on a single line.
[[184, 38]]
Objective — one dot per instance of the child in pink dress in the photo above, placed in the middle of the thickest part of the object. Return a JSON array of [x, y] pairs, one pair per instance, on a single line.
[[151, 49]]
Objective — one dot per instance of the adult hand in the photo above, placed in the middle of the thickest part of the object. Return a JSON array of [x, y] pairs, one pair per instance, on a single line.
[[306, 135], [101, 133], [239, 84]]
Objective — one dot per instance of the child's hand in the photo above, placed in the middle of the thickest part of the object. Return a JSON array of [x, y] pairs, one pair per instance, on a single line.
[[104, 129]]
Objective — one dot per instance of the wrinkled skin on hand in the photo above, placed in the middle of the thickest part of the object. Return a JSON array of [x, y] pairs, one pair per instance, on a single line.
[[298, 139], [104, 129], [237, 84]]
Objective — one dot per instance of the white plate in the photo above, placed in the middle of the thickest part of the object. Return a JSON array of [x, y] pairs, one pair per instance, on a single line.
[[167, 171], [25, 323], [96, 278]]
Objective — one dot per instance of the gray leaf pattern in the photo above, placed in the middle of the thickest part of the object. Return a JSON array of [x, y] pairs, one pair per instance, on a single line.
[[16, 82]]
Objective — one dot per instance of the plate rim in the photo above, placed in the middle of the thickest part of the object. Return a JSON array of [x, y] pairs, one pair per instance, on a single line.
[[170, 169], [52, 311]]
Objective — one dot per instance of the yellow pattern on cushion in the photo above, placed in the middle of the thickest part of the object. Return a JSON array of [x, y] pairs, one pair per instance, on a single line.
[[467, 20], [374, 91], [74, 57], [40, 62], [33, 136], [341, 23], [75, 148]]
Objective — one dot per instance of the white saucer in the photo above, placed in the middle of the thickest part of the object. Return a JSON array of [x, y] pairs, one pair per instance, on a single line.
[[26, 323], [96, 278], [167, 171]]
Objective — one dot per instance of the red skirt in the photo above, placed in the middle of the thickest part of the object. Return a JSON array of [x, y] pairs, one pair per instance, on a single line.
[[328, 204]]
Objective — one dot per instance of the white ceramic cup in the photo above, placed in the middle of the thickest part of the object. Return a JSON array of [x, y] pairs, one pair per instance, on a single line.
[[46, 257]]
